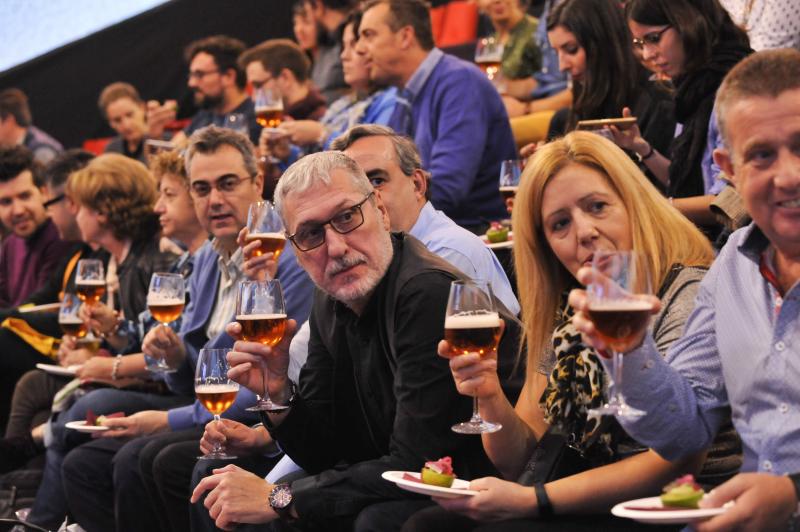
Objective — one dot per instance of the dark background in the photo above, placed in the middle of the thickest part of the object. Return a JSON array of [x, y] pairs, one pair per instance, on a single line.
[[146, 51]]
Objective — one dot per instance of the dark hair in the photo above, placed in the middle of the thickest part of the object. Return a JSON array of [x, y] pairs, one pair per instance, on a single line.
[[277, 54], [17, 159], [414, 13], [62, 165], [355, 20], [225, 51], [117, 91], [14, 102], [700, 23], [612, 72]]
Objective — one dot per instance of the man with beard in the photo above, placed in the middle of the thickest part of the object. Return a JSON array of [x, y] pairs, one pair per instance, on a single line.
[[218, 85], [372, 395]]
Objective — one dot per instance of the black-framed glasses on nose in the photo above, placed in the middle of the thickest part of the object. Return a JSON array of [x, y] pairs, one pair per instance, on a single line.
[[200, 74], [649, 39], [312, 236], [52, 201], [224, 184]]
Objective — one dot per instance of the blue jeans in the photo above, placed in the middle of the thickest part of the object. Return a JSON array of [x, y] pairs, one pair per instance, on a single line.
[[50, 506]]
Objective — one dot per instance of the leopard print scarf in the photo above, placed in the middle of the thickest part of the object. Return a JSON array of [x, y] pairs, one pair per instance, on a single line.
[[576, 385]]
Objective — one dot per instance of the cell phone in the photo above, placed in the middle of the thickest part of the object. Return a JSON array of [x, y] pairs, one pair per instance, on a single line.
[[620, 123]]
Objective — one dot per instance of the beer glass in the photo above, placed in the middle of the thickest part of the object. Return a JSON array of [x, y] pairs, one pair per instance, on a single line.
[[488, 56], [618, 314], [472, 325], [265, 226], [214, 391], [165, 300], [68, 319], [90, 281], [510, 173], [269, 108], [261, 313]]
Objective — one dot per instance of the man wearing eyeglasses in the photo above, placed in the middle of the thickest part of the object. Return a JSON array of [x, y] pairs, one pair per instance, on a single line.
[[110, 474], [218, 86], [372, 396]]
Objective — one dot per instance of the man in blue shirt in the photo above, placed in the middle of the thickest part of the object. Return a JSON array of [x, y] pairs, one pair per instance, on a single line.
[[448, 107], [394, 168], [740, 345]]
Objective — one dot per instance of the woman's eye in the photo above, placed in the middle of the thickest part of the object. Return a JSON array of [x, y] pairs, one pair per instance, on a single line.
[[597, 206]]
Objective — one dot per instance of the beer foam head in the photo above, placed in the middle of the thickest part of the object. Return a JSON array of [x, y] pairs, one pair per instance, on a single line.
[[70, 320], [216, 388], [472, 321], [620, 305], [277, 236], [154, 299], [91, 282], [260, 317]]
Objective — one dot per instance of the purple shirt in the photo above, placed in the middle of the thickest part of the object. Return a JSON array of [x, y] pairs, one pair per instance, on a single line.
[[25, 264]]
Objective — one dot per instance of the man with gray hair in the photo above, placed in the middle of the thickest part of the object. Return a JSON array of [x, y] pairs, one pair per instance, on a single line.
[[740, 347], [373, 394], [394, 168]]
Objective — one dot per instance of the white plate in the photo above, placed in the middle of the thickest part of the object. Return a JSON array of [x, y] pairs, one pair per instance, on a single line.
[[81, 426], [68, 371], [459, 488], [663, 517], [499, 245], [47, 307]]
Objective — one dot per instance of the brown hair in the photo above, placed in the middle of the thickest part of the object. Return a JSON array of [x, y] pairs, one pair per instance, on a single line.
[[414, 13], [169, 163], [122, 190], [277, 54], [659, 232], [767, 74], [14, 102], [117, 91]]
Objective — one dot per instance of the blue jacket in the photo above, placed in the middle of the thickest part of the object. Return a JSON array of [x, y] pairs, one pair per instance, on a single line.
[[204, 285]]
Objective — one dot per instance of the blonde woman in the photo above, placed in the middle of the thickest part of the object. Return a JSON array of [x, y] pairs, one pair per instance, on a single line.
[[579, 195]]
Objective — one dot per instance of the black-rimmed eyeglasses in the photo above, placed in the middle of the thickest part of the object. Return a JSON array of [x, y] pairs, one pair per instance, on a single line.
[[650, 39], [313, 236], [225, 184], [52, 201]]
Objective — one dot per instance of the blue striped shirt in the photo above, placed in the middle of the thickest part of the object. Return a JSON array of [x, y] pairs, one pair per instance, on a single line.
[[737, 350]]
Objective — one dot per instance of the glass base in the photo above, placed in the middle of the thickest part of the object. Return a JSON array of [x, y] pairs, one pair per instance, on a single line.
[[265, 405], [616, 408], [476, 427], [217, 456], [160, 371]]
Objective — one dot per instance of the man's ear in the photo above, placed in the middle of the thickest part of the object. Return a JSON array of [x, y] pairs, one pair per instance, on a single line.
[[420, 183], [724, 160], [406, 36]]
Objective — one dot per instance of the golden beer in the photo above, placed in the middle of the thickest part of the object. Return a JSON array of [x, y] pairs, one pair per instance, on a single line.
[[472, 333], [165, 310], [267, 329], [91, 343], [91, 291], [270, 243], [73, 326], [490, 68], [618, 322], [216, 398], [269, 116]]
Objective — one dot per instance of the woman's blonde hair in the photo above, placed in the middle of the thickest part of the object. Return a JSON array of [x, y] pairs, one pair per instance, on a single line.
[[121, 189], [659, 232]]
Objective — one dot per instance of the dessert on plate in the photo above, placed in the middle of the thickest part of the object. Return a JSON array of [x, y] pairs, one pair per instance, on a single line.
[[438, 473]]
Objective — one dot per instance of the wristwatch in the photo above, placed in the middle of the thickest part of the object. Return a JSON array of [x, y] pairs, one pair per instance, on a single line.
[[280, 500]]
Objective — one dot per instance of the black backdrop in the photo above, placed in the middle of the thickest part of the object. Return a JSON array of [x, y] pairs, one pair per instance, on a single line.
[[146, 51]]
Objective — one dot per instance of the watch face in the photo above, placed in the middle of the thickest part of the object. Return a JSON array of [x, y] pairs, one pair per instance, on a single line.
[[280, 497]]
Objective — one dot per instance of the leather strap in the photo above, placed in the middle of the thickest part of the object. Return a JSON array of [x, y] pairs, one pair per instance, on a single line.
[[546, 511]]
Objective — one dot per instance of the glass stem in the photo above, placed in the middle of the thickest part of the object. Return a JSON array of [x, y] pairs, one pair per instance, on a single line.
[[218, 448], [476, 416], [617, 376], [265, 383]]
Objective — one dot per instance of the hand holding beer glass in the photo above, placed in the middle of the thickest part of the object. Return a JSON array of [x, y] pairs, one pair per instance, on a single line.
[[265, 227], [261, 313], [619, 314], [165, 300], [214, 391], [472, 325]]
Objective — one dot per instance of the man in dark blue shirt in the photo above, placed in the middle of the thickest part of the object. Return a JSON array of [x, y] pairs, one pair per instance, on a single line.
[[448, 107]]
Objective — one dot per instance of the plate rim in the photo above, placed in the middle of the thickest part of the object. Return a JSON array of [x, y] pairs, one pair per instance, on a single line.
[[684, 515], [81, 426], [55, 369], [401, 483]]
